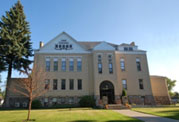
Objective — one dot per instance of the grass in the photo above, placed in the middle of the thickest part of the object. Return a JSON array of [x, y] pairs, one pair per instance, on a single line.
[[168, 112], [65, 115]]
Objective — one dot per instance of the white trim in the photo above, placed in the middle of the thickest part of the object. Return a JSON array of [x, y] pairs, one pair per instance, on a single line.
[[122, 59], [137, 59], [63, 59], [47, 58], [104, 46], [63, 56], [132, 52], [71, 59], [55, 59], [78, 59]]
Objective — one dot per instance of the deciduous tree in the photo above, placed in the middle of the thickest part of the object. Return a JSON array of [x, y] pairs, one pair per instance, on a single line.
[[31, 87]]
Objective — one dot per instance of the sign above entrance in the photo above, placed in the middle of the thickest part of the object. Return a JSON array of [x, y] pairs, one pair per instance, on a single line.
[[63, 45]]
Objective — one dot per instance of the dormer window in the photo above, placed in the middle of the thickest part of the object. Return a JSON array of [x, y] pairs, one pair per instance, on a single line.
[[125, 49], [56, 46], [130, 49], [63, 45]]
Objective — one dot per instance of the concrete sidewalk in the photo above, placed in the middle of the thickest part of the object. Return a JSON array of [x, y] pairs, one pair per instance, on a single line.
[[145, 117]]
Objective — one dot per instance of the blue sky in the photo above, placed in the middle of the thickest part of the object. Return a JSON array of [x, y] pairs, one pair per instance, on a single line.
[[152, 24]]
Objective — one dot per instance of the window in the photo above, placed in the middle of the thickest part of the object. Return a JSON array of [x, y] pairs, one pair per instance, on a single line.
[[122, 63], [63, 65], [100, 64], [79, 64], [124, 84], [130, 49], [47, 83], [71, 84], [24, 104], [55, 84], [79, 84], [17, 104], [71, 64], [63, 84], [54, 100], [125, 48], [141, 85], [138, 64], [55, 64], [110, 64], [47, 64], [71, 100]]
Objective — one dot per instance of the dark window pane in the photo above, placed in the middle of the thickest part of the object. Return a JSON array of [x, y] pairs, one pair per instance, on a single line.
[[79, 84], [47, 65], [124, 84], [55, 84], [125, 48], [71, 65], [110, 68], [47, 84], [138, 66], [63, 65], [71, 84], [141, 85], [79, 66], [130, 49], [63, 84], [99, 68], [55, 65]]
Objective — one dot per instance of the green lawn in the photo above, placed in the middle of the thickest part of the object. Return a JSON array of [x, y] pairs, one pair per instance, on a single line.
[[169, 112], [65, 115]]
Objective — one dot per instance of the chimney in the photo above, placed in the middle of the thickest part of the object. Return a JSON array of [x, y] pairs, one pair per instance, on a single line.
[[41, 44], [132, 43]]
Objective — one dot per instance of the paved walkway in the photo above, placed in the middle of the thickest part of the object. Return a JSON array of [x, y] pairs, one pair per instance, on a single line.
[[145, 117]]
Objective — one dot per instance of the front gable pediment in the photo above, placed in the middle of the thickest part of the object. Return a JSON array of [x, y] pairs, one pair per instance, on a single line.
[[63, 43], [103, 46]]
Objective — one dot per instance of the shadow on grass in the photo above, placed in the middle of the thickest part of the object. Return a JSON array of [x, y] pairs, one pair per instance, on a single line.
[[174, 114], [107, 121], [124, 121], [84, 121]]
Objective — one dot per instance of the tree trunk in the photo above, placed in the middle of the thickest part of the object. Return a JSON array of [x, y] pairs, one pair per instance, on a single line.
[[30, 105], [6, 100]]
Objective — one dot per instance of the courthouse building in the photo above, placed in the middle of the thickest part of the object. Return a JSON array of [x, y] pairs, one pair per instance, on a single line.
[[101, 69]]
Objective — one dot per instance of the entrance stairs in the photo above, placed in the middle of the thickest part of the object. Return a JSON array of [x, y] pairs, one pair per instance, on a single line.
[[117, 106]]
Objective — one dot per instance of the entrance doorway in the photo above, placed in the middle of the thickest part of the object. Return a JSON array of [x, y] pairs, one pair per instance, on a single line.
[[107, 90]]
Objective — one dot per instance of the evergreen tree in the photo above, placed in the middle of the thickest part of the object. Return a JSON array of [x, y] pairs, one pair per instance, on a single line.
[[15, 45]]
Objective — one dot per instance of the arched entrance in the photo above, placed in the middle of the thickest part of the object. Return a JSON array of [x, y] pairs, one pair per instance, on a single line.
[[107, 90]]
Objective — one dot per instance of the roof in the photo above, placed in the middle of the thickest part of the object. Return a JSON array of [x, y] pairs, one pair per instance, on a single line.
[[156, 76], [89, 45], [124, 44]]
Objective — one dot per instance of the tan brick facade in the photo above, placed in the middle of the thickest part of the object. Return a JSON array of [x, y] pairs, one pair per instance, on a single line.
[[89, 52]]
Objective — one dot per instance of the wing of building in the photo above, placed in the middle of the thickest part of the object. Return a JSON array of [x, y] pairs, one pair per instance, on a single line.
[[101, 69]]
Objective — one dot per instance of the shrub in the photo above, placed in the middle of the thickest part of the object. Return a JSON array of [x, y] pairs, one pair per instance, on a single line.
[[36, 104], [124, 92], [87, 101]]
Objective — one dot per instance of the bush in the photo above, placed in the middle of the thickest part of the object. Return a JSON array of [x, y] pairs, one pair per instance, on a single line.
[[124, 93], [87, 101], [36, 104]]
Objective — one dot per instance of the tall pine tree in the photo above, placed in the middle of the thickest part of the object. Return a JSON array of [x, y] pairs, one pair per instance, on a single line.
[[15, 45]]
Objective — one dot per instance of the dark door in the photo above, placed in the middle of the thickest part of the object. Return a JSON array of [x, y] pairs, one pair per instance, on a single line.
[[107, 89]]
